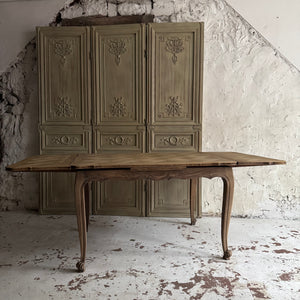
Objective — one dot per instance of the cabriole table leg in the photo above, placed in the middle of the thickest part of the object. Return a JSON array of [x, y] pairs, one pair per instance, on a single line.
[[87, 205], [228, 181], [193, 192], [81, 217]]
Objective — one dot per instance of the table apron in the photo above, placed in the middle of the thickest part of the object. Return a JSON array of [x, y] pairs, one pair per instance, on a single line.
[[124, 174]]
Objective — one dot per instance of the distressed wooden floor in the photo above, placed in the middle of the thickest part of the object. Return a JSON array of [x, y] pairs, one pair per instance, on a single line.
[[147, 258]]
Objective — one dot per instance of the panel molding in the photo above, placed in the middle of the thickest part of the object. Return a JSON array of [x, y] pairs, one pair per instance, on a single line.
[[64, 83], [106, 203], [65, 139], [118, 72], [115, 139], [51, 185], [174, 70]]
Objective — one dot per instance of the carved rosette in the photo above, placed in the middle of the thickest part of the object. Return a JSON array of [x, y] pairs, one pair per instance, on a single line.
[[65, 140], [64, 108], [175, 140], [119, 140], [173, 108], [62, 48], [174, 45], [117, 47], [119, 108]]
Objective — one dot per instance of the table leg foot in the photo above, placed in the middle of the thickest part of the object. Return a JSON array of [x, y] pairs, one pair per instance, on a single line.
[[80, 266], [193, 222], [227, 254]]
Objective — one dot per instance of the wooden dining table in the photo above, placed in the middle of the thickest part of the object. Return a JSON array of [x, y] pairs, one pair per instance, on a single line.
[[148, 166]]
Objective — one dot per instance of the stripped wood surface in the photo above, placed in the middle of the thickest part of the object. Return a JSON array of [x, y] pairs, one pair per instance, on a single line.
[[139, 161]]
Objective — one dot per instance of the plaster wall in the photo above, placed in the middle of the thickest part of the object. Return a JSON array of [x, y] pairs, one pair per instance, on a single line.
[[251, 105], [18, 20], [277, 20]]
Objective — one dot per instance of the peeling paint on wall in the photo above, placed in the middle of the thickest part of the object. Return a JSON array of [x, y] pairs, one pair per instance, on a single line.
[[251, 105], [18, 129]]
